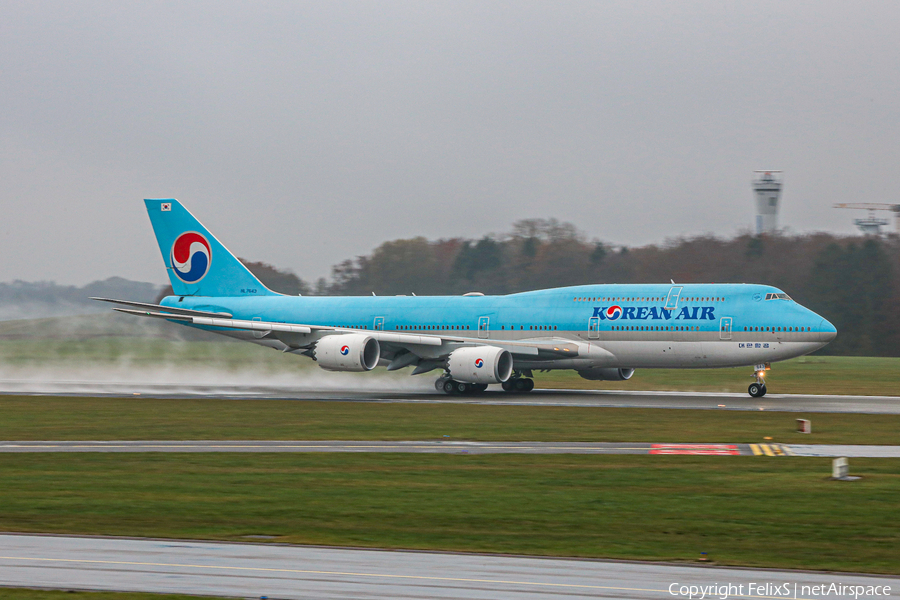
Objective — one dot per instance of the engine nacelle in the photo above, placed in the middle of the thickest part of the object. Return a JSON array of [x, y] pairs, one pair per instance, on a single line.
[[607, 374], [480, 364], [348, 352]]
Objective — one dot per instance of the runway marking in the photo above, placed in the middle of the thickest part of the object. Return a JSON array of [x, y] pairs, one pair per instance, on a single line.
[[352, 574], [696, 449], [771, 449]]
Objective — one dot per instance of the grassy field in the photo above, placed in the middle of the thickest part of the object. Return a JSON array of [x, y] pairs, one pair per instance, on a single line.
[[62, 418], [23, 594], [752, 511]]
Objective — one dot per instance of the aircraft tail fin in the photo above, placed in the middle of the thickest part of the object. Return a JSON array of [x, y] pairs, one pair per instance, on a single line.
[[197, 263]]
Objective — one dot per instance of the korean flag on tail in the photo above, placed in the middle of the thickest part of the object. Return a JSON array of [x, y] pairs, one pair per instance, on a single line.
[[166, 207]]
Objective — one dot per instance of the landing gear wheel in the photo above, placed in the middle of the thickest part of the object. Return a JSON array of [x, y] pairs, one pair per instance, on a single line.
[[764, 390], [757, 390], [524, 385], [508, 385], [439, 383], [457, 388]]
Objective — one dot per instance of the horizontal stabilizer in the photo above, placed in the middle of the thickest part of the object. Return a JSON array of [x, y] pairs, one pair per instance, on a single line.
[[168, 309], [226, 322]]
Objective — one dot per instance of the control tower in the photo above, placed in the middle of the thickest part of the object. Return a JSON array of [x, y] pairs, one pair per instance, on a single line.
[[767, 188]]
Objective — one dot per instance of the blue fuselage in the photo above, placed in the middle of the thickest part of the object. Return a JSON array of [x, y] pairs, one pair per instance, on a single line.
[[634, 326]]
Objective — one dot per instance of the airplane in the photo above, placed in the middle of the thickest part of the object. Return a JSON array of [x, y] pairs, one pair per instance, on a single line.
[[602, 331]]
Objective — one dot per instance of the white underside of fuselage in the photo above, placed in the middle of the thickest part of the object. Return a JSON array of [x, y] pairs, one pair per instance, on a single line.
[[684, 355], [640, 354]]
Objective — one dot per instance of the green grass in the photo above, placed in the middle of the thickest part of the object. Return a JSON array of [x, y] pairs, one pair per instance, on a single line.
[[75, 418], [752, 511], [24, 594]]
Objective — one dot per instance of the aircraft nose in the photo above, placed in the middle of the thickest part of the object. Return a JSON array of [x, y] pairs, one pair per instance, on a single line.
[[828, 329]]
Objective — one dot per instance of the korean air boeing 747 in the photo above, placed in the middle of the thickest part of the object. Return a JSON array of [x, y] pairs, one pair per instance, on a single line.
[[603, 332]]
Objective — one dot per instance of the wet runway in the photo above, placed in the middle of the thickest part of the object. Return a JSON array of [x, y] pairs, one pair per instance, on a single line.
[[279, 571], [585, 398], [451, 447]]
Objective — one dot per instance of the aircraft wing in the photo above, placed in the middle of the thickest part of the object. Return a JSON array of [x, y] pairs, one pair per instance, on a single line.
[[296, 335]]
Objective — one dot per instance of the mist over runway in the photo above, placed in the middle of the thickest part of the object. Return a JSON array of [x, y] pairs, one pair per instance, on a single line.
[[421, 391]]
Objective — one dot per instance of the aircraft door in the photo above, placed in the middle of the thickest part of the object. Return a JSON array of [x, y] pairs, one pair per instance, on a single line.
[[379, 324], [483, 327], [672, 298], [725, 328], [594, 328]]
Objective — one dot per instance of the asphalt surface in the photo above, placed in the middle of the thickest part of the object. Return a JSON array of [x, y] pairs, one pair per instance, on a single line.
[[451, 447], [588, 398], [279, 571]]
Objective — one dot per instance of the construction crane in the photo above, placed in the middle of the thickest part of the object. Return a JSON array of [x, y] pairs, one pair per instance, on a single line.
[[871, 224]]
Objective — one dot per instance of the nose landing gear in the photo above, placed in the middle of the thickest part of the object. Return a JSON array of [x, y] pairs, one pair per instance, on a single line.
[[758, 389]]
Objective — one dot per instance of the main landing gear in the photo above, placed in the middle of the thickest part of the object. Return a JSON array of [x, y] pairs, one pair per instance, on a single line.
[[458, 388], [519, 383], [516, 384], [758, 389]]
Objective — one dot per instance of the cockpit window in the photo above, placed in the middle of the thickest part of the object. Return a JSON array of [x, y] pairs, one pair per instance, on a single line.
[[777, 297]]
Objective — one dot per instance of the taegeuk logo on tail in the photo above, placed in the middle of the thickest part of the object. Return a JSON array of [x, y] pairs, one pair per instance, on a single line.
[[191, 257]]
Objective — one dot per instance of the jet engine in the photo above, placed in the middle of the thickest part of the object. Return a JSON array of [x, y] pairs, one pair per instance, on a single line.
[[347, 352], [480, 364], [607, 374]]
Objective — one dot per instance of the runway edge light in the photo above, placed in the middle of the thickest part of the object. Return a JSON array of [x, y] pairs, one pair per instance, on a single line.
[[804, 426]]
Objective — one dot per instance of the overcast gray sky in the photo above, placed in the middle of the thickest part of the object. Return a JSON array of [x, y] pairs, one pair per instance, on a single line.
[[304, 133]]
